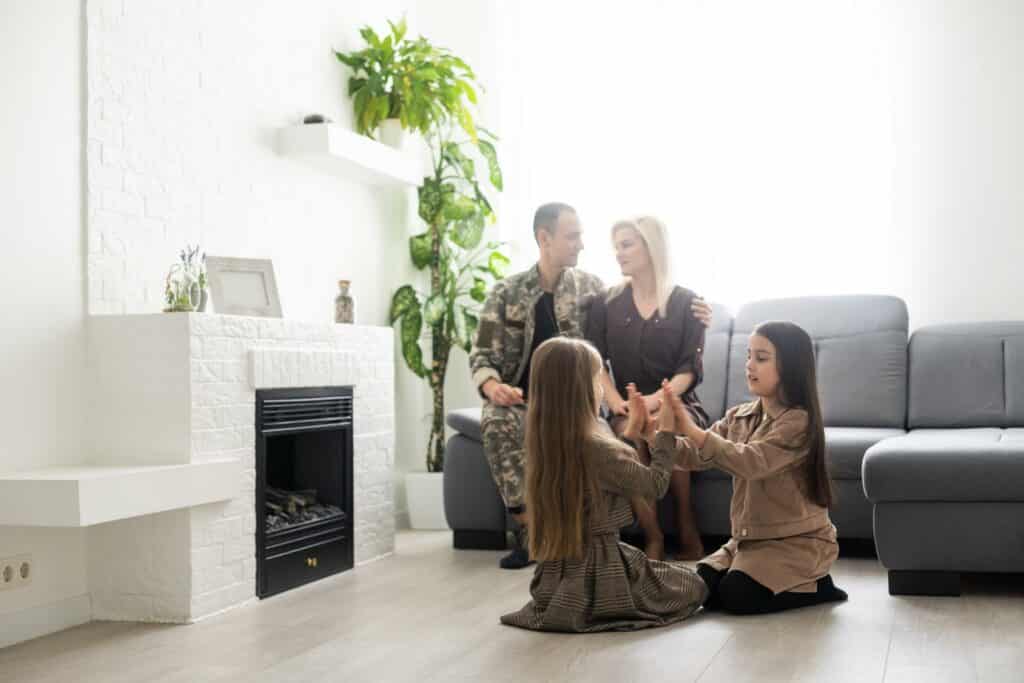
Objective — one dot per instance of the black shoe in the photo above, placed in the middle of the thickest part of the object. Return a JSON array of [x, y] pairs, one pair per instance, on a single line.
[[520, 555], [828, 591], [517, 559]]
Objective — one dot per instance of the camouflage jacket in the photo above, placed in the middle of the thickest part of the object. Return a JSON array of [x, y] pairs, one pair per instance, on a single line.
[[505, 336]]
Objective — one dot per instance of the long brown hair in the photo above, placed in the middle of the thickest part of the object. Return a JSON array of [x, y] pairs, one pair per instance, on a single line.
[[798, 388], [561, 427]]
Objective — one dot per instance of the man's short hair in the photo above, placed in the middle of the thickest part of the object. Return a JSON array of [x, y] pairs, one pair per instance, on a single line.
[[546, 217]]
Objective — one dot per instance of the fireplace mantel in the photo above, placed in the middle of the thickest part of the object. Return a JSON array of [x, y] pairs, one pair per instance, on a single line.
[[171, 409]]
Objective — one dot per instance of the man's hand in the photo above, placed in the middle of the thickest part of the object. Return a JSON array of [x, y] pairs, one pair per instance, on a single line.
[[701, 311], [502, 394]]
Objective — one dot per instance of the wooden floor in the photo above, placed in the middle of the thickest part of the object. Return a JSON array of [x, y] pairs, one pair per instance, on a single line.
[[430, 613]]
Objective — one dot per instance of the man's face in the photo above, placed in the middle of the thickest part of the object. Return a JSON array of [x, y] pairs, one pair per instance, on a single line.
[[564, 244]]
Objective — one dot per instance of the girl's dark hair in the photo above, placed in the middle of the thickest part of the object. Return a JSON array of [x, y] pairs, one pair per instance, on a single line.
[[798, 388]]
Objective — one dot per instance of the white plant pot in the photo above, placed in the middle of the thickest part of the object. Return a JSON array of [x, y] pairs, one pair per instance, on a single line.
[[424, 492], [391, 134]]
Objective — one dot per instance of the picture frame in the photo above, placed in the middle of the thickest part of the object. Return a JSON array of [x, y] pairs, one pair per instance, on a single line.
[[243, 286]]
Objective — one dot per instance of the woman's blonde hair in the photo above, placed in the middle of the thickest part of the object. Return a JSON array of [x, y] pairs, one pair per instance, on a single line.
[[655, 237], [561, 428]]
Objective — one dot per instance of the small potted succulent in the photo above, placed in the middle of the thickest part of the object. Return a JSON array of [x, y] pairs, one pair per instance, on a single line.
[[185, 284]]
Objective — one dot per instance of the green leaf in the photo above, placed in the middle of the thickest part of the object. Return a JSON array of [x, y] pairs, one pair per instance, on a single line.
[[404, 300], [369, 36], [459, 319], [454, 156], [472, 324], [466, 121], [498, 264], [421, 250], [434, 309], [468, 233], [468, 90], [459, 208], [479, 291], [412, 325], [432, 196], [489, 153]]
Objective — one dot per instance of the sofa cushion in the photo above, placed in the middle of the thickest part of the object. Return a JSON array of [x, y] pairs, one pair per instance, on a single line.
[[861, 348], [466, 421], [967, 375], [951, 465], [711, 391], [847, 445]]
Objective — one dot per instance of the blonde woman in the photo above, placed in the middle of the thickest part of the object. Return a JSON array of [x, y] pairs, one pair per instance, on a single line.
[[649, 330], [579, 479]]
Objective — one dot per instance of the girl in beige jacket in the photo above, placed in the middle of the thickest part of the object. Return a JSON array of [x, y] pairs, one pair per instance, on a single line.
[[783, 543]]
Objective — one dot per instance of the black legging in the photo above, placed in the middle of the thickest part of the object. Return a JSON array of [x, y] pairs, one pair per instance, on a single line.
[[736, 593]]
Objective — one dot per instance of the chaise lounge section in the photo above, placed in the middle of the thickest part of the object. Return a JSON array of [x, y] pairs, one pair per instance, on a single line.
[[949, 496]]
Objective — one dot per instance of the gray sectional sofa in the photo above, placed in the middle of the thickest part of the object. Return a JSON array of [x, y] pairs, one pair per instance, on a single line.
[[946, 497], [949, 495]]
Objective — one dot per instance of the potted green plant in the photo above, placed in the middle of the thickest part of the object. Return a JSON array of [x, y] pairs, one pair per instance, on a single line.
[[461, 267], [185, 284], [411, 84]]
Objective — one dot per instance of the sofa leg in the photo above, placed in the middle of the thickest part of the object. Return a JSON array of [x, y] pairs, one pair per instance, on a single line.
[[924, 583], [476, 539]]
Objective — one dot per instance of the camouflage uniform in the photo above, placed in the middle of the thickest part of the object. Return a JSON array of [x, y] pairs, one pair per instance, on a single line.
[[501, 350]]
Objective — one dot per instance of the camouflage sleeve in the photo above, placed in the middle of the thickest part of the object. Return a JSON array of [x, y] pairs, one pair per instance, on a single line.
[[485, 360]]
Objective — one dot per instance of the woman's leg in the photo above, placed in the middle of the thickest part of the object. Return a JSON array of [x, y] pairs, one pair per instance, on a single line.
[[690, 545], [740, 594]]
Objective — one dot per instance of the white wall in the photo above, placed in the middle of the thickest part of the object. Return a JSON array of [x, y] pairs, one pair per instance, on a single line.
[[794, 147], [42, 344], [960, 128]]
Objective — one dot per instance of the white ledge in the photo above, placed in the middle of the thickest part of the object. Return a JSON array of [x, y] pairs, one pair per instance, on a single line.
[[84, 495], [353, 156]]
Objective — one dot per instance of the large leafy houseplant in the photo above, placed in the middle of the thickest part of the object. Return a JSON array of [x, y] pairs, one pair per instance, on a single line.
[[422, 85], [462, 265]]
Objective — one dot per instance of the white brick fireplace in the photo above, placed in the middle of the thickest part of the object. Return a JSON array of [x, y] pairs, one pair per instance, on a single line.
[[180, 388]]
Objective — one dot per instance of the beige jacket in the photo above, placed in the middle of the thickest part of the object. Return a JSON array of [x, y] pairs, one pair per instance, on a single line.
[[768, 459]]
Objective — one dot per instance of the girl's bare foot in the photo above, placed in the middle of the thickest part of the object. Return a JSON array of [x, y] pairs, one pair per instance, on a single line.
[[655, 547]]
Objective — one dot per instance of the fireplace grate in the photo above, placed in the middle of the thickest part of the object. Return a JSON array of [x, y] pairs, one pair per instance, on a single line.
[[288, 414]]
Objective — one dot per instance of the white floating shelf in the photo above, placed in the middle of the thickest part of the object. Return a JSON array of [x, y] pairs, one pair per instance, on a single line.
[[353, 156], [92, 494]]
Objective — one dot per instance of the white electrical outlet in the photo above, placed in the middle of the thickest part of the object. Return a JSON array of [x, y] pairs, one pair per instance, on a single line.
[[16, 572]]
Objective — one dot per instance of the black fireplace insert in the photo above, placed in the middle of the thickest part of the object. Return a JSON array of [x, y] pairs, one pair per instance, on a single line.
[[304, 473]]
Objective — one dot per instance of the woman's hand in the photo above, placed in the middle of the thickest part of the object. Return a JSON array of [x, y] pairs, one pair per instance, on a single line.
[[617, 405], [653, 402]]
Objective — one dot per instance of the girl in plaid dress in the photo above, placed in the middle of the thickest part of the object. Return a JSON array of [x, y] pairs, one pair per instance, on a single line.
[[579, 480]]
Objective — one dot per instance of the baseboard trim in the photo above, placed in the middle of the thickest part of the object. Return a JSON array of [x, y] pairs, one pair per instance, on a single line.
[[33, 622]]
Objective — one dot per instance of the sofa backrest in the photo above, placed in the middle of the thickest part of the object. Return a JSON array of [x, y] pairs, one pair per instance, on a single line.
[[860, 346], [967, 375], [711, 392]]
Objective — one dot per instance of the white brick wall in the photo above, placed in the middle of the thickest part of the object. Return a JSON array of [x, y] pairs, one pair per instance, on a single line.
[[186, 564], [231, 357], [183, 99]]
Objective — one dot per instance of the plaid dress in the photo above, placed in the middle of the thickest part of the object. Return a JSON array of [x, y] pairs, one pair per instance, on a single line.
[[615, 587]]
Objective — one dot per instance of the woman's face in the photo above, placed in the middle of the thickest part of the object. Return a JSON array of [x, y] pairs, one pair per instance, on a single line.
[[762, 368], [631, 251]]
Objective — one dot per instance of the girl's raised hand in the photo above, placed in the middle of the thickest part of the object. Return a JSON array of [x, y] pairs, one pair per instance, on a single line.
[[666, 416], [636, 423], [683, 419]]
